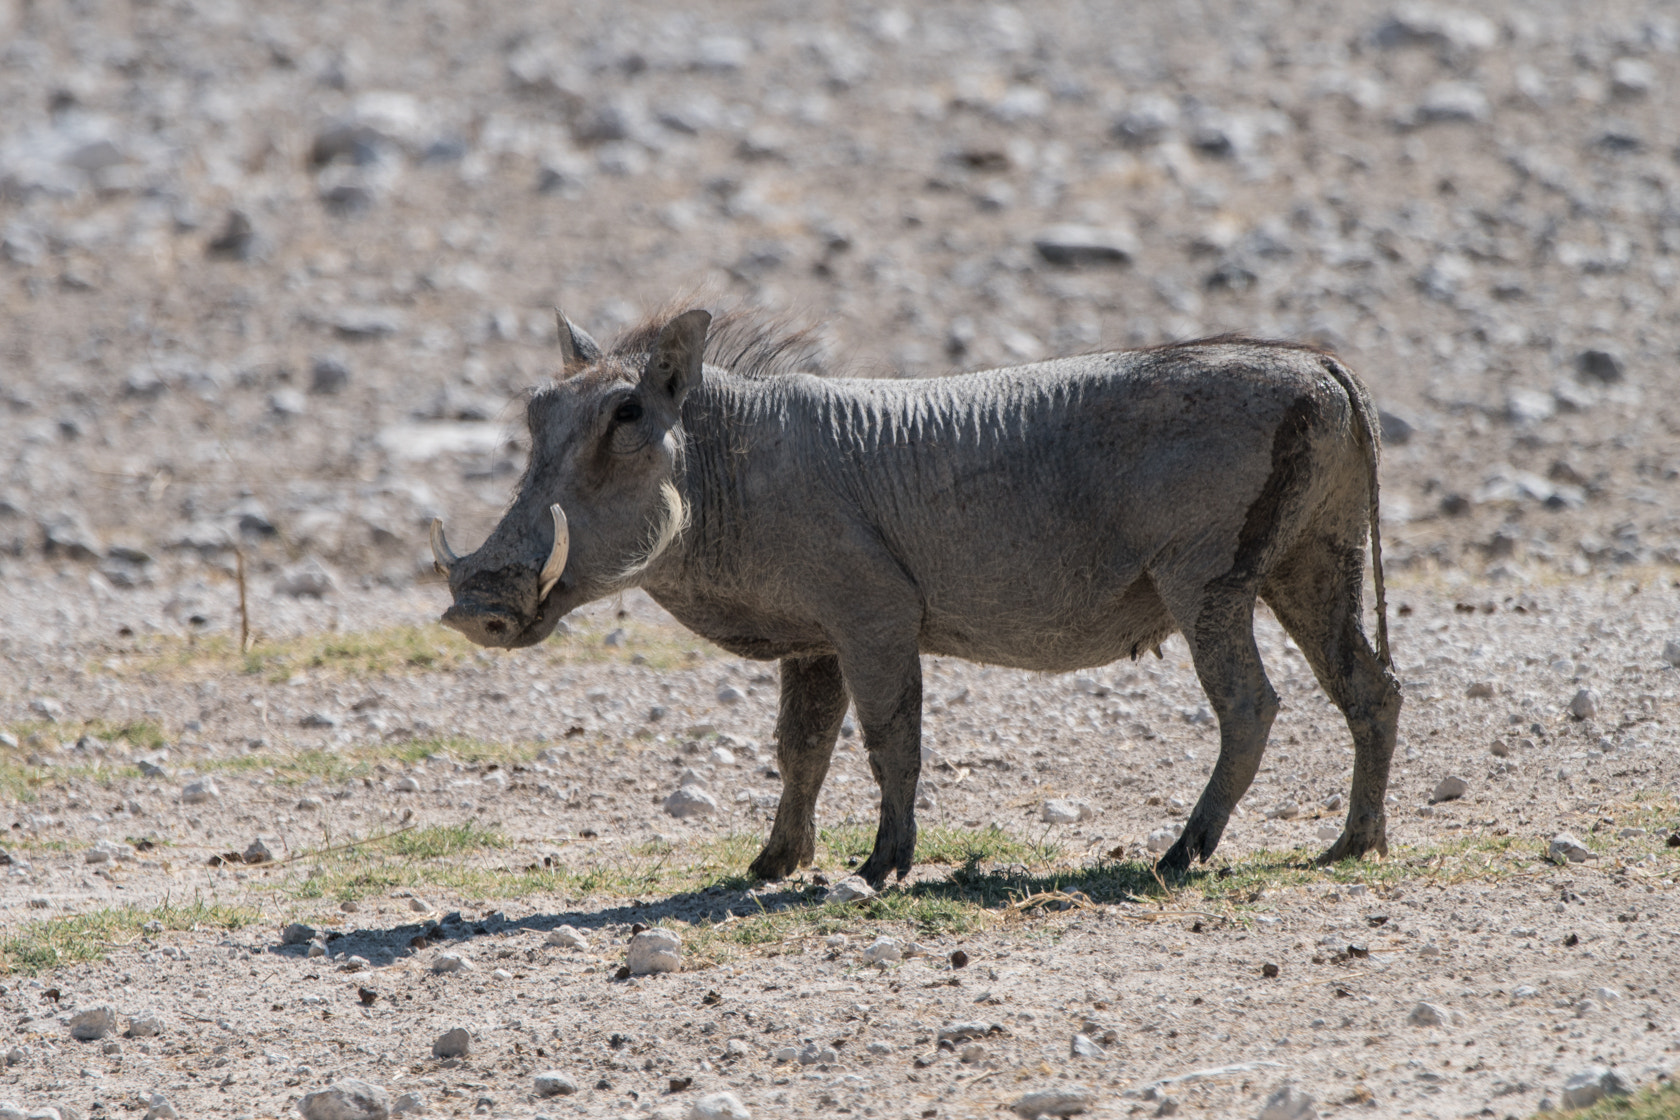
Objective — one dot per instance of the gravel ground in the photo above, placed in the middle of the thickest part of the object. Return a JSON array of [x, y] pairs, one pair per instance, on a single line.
[[275, 279]]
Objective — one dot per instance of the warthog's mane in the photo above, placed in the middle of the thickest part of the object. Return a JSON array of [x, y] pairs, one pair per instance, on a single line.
[[745, 341]]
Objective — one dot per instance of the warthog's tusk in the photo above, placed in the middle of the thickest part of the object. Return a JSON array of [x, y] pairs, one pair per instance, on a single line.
[[443, 558], [556, 555]]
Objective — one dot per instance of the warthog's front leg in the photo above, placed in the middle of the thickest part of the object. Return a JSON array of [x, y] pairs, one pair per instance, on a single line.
[[889, 704], [813, 706]]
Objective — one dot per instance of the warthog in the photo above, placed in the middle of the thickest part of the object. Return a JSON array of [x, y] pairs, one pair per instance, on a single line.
[[1052, 516]]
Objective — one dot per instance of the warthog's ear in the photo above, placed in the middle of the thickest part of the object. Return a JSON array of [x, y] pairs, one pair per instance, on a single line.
[[576, 347], [675, 361]]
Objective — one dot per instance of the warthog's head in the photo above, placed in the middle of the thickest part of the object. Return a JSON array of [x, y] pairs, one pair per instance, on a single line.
[[599, 501]]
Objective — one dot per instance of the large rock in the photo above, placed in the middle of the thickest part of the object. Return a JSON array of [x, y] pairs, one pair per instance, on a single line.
[[718, 1106], [93, 1023], [655, 950], [1592, 1085], [553, 1083], [348, 1099]]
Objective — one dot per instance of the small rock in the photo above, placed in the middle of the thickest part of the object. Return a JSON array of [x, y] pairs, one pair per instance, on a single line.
[[145, 1024], [309, 805], [1070, 1100], [419, 905], [554, 1084], [451, 962], [849, 889], [729, 694], [718, 1106], [257, 852], [690, 801], [454, 1043], [1074, 245], [1500, 749], [307, 579], [1585, 1088], [1450, 789], [93, 1023], [1606, 995], [197, 793], [297, 934], [347, 1099], [655, 950], [962, 1032], [883, 949], [1083, 1047], [814, 1055], [1479, 690], [1061, 811], [1163, 838], [1671, 652], [409, 1104], [1599, 365], [1287, 811], [1565, 848], [1584, 705], [1289, 1103], [567, 938], [328, 375], [1429, 1015], [408, 783], [158, 1107]]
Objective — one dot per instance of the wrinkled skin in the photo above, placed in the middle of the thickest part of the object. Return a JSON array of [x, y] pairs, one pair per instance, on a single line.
[[1050, 517]]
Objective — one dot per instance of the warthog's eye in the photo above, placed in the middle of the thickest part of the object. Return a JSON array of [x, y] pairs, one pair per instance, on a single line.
[[629, 412]]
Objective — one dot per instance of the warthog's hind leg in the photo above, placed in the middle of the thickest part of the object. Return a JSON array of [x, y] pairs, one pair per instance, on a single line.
[[813, 706], [1228, 665], [889, 706], [1316, 596]]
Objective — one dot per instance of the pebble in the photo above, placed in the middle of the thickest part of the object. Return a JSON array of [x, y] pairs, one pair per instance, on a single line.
[[258, 852], [1584, 705], [419, 905], [451, 962], [1327, 832], [1289, 1103], [567, 938], [93, 1023], [1333, 803], [145, 1024], [158, 1107], [1450, 789], [409, 1104], [454, 1043], [1287, 811], [1163, 838], [1671, 652], [197, 793], [729, 694], [553, 1083], [1500, 749], [814, 1055], [718, 1106], [655, 950], [347, 1099], [1065, 1101], [1083, 1047], [1073, 245], [1565, 848], [962, 1032], [690, 801], [1479, 690], [883, 949], [309, 805], [1429, 1015], [849, 889], [501, 974], [406, 784], [1063, 811]]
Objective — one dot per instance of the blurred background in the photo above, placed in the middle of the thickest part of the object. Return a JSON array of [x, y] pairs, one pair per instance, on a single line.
[[276, 274]]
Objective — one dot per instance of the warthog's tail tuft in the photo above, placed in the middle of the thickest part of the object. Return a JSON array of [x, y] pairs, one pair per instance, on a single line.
[[1363, 415]]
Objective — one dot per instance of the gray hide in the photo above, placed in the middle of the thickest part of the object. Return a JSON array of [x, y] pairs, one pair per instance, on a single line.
[[1052, 516]]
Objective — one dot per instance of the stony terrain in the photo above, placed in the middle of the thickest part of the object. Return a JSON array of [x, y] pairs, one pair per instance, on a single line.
[[272, 283]]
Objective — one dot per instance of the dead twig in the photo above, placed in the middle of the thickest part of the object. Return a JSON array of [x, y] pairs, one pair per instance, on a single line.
[[244, 613], [341, 847]]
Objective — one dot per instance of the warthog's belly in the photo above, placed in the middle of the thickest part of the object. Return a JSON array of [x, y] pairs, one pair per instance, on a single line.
[[1059, 638]]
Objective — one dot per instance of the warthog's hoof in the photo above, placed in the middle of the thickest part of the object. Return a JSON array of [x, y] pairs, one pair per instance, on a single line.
[[877, 867], [1352, 845], [778, 861], [1197, 842]]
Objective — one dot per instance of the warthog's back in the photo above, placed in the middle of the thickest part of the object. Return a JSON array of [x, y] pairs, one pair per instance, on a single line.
[[1042, 511]]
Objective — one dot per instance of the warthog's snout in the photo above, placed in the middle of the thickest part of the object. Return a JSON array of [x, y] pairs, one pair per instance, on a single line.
[[480, 611]]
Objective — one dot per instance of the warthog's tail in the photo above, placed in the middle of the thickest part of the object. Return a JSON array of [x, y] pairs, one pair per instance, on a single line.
[[1363, 414]]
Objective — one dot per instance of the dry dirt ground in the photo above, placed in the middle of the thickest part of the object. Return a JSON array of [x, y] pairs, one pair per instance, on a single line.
[[272, 279]]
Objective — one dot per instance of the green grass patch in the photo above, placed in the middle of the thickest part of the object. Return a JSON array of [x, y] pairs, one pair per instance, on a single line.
[[1655, 1102], [54, 942], [55, 743], [363, 761], [396, 649]]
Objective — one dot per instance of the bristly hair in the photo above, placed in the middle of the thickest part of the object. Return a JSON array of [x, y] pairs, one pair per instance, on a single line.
[[746, 341]]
